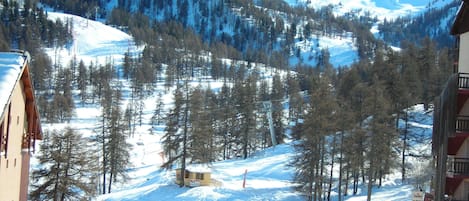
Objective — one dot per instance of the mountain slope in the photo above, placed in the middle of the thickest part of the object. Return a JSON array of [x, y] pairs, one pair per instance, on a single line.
[[268, 174]]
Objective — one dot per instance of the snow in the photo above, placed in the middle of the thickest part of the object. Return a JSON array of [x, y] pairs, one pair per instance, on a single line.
[[199, 168], [269, 177], [11, 64], [92, 42], [382, 9], [342, 50]]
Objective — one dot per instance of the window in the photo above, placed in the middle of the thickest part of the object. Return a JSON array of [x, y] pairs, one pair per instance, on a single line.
[[199, 176], [2, 146], [6, 136], [187, 173]]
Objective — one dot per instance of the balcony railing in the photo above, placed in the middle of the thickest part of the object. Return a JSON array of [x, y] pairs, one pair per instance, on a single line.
[[463, 81], [462, 124], [458, 166]]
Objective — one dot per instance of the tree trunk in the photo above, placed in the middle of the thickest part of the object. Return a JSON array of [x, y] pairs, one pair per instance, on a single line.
[[67, 166], [355, 181], [339, 192], [104, 156], [57, 180], [346, 185], [380, 178], [404, 146], [332, 168], [370, 182], [110, 182], [184, 137], [321, 174]]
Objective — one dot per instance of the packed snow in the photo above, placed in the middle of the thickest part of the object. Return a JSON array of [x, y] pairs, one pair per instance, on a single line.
[[268, 175]]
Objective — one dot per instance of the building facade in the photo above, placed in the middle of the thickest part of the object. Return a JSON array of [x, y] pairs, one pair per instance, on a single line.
[[19, 125], [195, 176]]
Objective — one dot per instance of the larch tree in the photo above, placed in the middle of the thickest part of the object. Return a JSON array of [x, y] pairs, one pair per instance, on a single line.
[[68, 168], [296, 102], [225, 121], [202, 132], [277, 97], [82, 81], [117, 146], [380, 134], [310, 161], [246, 107], [111, 135], [172, 140]]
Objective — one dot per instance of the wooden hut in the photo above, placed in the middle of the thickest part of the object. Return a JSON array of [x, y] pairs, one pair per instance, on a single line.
[[195, 175]]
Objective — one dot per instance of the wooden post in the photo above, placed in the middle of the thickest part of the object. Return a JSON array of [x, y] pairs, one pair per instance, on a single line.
[[244, 179]]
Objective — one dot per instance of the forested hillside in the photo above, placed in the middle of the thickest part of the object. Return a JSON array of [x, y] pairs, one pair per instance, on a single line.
[[434, 24], [247, 46]]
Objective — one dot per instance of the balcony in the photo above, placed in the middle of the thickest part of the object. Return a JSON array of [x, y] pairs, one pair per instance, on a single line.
[[463, 81], [462, 124], [458, 167]]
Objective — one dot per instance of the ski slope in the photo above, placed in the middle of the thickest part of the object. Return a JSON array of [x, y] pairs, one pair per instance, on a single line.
[[268, 175]]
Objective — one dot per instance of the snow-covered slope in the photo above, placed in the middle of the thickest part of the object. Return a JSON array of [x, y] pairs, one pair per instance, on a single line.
[[92, 42], [382, 9], [268, 175]]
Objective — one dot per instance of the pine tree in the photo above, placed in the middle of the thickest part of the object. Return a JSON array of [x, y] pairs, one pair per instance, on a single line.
[[226, 119], [171, 139], [82, 80], [158, 117], [382, 135], [117, 147], [201, 139], [278, 93], [246, 108], [111, 135], [427, 67], [319, 123], [68, 168]]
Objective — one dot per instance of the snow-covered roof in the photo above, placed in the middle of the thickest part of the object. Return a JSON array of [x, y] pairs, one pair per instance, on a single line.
[[11, 66], [198, 168]]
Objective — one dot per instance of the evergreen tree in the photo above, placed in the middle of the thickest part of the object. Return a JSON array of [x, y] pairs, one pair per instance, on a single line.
[[117, 148], [296, 102], [278, 93], [112, 138], [82, 80], [226, 120], [202, 132], [158, 116], [68, 168], [319, 123], [246, 108], [382, 135], [172, 139]]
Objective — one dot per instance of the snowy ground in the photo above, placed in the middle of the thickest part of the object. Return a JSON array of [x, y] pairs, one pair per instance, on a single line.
[[268, 175], [382, 9]]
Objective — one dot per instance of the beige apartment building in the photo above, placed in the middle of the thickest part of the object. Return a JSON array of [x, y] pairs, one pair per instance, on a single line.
[[19, 125]]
